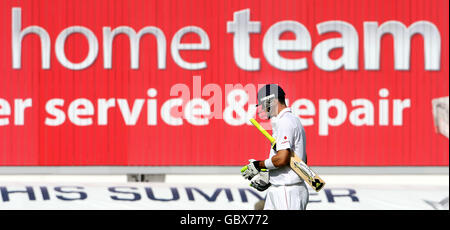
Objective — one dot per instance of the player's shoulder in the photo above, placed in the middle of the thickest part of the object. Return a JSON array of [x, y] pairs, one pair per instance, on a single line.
[[289, 121]]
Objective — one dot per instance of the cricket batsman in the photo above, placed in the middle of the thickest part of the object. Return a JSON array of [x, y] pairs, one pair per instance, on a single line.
[[286, 190]]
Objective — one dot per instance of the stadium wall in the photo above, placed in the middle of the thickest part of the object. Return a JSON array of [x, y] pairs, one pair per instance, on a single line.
[[173, 83]]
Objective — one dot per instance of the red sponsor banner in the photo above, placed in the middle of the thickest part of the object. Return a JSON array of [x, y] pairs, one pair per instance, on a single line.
[[174, 82]]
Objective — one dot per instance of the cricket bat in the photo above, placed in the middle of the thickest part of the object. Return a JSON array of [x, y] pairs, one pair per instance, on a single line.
[[296, 164]]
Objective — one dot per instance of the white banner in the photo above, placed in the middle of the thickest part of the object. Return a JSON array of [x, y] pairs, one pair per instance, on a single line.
[[175, 196]]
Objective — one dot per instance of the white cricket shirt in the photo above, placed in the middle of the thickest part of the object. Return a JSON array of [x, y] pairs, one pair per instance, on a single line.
[[289, 134]]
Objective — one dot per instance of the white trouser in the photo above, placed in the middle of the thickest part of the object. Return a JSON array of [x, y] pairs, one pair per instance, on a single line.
[[287, 197]]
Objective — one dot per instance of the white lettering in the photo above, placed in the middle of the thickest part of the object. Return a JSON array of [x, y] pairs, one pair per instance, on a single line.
[[325, 120], [176, 46], [18, 35], [272, 45], [197, 111], [61, 41], [402, 44], [135, 38], [242, 27], [19, 110], [81, 107], [304, 108], [51, 109], [348, 43]]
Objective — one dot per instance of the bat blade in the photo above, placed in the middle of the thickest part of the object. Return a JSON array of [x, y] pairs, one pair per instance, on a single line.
[[306, 173]]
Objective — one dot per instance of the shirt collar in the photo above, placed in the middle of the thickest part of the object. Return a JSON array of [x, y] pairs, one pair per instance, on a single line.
[[285, 110]]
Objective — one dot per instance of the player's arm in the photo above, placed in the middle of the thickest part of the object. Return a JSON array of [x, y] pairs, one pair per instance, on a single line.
[[282, 147], [280, 159]]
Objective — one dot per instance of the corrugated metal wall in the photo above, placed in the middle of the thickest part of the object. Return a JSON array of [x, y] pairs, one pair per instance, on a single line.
[[342, 109]]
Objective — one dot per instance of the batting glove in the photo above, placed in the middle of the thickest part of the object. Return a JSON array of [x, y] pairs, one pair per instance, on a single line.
[[250, 170], [261, 181]]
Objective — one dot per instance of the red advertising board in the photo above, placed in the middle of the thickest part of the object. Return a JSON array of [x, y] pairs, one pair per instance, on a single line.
[[152, 83]]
